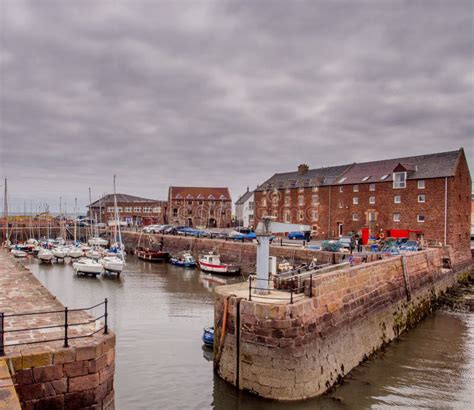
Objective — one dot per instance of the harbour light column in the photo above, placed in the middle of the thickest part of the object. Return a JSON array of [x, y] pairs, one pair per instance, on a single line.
[[263, 254]]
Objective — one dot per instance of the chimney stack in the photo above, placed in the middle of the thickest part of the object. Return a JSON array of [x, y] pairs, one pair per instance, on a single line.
[[303, 169]]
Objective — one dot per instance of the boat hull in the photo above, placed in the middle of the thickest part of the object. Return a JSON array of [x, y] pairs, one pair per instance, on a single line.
[[88, 269], [183, 264], [151, 256], [227, 270]]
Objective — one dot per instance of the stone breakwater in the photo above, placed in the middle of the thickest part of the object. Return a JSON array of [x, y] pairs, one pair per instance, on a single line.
[[47, 375], [243, 254], [296, 351]]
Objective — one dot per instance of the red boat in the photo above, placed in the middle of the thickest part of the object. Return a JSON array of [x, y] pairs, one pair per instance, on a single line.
[[152, 255]]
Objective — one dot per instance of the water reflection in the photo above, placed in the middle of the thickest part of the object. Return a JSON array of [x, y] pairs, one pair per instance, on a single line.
[[158, 312]]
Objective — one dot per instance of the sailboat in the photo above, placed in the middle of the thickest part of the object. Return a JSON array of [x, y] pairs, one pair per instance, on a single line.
[[115, 263]]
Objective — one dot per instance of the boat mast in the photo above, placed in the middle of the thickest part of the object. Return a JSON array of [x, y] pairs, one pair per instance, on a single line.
[[75, 222], [117, 226], [5, 213], [90, 214]]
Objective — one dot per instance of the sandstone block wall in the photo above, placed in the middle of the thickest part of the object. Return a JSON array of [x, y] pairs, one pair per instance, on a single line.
[[82, 376], [243, 254], [292, 352]]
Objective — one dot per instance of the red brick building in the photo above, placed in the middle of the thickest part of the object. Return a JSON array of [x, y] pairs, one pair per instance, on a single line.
[[200, 207], [132, 209], [427, 194]]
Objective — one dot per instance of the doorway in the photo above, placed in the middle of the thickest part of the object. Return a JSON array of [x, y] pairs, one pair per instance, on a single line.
[[340, 228]]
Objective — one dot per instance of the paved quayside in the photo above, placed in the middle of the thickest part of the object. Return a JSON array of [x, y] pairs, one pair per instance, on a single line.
[[52, 367]]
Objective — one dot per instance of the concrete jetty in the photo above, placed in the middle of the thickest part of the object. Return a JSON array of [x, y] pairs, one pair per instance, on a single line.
[[45, 373]]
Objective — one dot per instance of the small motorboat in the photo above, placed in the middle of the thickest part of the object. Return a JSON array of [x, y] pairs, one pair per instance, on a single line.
[[95, 254], [87, 266], [208, 336], [112, 264], [45, 255], [185, 259], [75, 252], [98, 241], [18, 253], [211, 263], [59, 252], [152, 255]]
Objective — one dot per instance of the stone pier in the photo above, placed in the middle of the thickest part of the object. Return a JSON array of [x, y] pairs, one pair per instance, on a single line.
[[295, 351], [47, 375]]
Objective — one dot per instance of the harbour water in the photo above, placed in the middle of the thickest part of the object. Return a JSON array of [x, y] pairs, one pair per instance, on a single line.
[[158, 312]]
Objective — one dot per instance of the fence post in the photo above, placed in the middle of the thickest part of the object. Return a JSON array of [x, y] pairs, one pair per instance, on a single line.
[[281, 241], [291, 295], [106, 314], [66, 325], [250, 288], [2, 339], [311, 285]]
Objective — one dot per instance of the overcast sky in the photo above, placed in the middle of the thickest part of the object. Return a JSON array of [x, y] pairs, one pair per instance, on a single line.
[[223, 93]]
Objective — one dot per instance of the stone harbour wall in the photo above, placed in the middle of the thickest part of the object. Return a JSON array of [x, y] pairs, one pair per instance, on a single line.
[[240, 253], [296, 351]]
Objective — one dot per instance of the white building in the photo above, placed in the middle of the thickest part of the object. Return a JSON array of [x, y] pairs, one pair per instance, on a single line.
[[244, 208]]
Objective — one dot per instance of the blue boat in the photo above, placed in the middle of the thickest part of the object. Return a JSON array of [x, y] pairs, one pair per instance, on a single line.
[[185, 260], [208, 336]]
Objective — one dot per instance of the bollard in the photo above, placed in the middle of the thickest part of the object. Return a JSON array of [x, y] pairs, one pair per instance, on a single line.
[[2, 339], [291, 295], [66, 325], [106, 314], [281, 241], [311, 285]]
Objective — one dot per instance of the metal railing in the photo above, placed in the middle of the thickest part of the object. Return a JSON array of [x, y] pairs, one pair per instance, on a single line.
[[65, 324], [296, 292]]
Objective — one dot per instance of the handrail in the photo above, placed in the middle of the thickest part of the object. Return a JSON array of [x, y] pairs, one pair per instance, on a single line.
[[66, 325], [294, 291]]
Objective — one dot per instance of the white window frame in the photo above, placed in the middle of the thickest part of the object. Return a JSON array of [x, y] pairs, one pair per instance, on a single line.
[[384, 177], [420, 220], [355, 216], [110, 209], [375, 216], [341, 189], [314, 215], [156, 209], [372, 200], [355, 188], [421, 184], [421, 199], [365, 179], [395, 219], [372, 187], [315, 189], [341, 205], [399, 184], [137, 209], [300, 215], [315, 199], [301, 200], [128, 209], [395, 199], [355, 200]]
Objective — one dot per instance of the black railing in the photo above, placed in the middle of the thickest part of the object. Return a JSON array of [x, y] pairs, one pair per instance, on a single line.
[[296, 292], [66, 325]]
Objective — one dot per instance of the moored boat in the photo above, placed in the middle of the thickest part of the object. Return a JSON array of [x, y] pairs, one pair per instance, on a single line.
[[208, 336], [18, 253], [75, 252], [59, 252], [211, 263], [185, 259], [87, 266], [97, 242], [112, 264], [45, 255], [152, 255]]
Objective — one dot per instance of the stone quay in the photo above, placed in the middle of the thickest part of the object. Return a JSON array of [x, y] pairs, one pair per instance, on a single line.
[[293, 351], [46, 374]]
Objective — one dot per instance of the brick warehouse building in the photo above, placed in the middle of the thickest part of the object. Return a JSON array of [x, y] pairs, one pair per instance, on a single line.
[[132, 209], [200, 207], [428, 194]]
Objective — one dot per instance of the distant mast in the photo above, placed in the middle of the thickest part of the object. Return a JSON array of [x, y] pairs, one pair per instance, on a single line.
[[5, 213], [75, 221], [117, 224]]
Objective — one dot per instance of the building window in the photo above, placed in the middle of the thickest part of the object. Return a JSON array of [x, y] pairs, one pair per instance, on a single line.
[[365, 179], [420, 218], [372, 200], [119, 209], [301, 190], [190, 202], [287, 191], [355, 188], [175, 212], [315, 199], [397, 199], [264, 201], [355, 217], [137, 209], [190, 212], [315, 189], [128, 209], [342, 180], [399, 180], [314, 215], [396, 217], [341, 205], [341, 189], [421, 198], [110, 209], [372, 187], [384, 177], [157, 209], [146, 209], [287, 201], [287, 216], [275, 200], [300, 215], [372, 216], [251, 206], [421, 184], [211, 212], [355, 200], [201, 202], [301, 200]]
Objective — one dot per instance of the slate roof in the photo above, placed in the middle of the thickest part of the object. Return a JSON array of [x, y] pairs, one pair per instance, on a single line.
[[122, 198], [437, 165], [244, 198], [200, 193]]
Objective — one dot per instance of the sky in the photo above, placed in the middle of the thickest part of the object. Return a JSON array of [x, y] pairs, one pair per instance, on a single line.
[[223, 93]]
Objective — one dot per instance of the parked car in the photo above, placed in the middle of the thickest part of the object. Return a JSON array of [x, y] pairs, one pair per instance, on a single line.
[[296, 235], [149, 228], [245, 236], [411, 246], [169, 230], [346, 242]]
